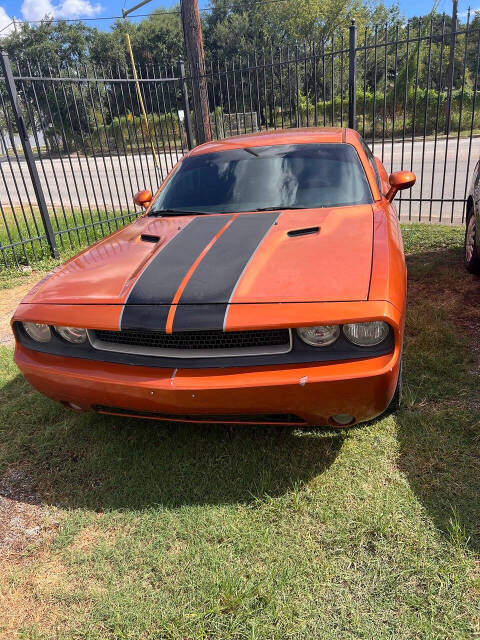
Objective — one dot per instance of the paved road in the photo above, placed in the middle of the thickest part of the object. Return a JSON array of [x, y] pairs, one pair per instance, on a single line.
[[101, 181], [105, 182], [431, 162]]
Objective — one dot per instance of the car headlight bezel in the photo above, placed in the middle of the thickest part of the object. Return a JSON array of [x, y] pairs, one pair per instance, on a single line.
[[356, 333], [34, 331], [331, 334], [72, 335]]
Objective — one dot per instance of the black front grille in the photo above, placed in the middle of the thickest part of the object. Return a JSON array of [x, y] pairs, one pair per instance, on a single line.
[[195, 340], [246, 418]]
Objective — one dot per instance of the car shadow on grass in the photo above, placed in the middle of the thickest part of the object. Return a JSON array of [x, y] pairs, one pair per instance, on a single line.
[[100, 463], [439, 422], [105, 462]]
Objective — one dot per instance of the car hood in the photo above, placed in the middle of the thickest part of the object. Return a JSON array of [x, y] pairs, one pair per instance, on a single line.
[[314, 255]]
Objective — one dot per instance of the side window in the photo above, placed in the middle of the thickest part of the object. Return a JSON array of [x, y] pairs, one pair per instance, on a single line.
[[372, 162]]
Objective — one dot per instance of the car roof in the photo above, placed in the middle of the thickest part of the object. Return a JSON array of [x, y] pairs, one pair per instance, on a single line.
[[307, 135]]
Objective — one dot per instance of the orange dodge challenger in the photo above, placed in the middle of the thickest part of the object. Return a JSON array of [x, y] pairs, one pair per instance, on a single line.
[[265, 283]]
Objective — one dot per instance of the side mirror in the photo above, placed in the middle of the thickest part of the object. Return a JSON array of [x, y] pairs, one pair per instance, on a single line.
[[142, 198], [398, 181]]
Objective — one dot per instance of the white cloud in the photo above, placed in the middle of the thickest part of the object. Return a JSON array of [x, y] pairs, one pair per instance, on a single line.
[[77, 9], [6, 25], [38, 9]]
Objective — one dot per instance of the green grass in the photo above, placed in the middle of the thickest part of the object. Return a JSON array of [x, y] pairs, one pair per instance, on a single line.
[[36, 255], [74, 229], [164, 531]]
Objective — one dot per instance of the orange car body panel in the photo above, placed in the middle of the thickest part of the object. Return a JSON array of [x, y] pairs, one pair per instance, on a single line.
[[351, 270], [105, 273], [362, 388]]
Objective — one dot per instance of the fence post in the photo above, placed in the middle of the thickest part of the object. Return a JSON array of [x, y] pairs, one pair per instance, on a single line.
[[352, 77], [451, 63], [186, 104], [27, 150]]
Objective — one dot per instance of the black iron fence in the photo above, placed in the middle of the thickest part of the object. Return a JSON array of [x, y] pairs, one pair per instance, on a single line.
[[75, 148], [413, 102], [74, 145]]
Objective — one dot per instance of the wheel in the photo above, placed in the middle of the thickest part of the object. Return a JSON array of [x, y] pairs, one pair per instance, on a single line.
[[396, 401], [472, 256]]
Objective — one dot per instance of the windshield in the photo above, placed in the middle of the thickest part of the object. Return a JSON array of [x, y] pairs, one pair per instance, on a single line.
[[283, 176]]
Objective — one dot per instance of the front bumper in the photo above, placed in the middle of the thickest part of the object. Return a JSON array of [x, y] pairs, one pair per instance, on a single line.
[[311, 392]]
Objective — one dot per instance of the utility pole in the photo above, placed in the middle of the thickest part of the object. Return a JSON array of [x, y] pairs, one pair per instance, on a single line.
[[192, 33]]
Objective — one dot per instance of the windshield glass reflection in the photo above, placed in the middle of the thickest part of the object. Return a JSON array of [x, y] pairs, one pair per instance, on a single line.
[[282, 176]]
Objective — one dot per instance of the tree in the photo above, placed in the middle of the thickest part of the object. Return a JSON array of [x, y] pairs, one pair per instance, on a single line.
[[49, 43], [55, 109]]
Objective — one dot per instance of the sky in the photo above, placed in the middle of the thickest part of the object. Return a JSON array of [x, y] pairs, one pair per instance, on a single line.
[[95, 9]]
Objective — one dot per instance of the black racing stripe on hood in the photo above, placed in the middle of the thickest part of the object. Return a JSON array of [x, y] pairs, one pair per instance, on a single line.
[[216, 277], [159, 282], [199, 317], [145, 317]]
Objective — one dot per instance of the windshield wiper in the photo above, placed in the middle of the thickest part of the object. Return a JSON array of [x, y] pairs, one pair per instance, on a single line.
[[178, 212], [185, 212], [288, 206]]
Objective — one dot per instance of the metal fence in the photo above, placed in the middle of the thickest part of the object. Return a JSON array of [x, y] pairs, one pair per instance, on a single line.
[[91, 152], [410, 90]]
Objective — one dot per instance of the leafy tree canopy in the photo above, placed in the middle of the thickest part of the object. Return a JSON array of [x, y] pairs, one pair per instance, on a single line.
[[227, 29]]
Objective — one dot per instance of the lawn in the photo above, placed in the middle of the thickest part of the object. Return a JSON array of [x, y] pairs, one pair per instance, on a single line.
[[124, 529], [74, 229]]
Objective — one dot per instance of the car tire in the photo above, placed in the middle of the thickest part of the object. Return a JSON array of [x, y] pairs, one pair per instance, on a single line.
[[396, 401], [471, 253]]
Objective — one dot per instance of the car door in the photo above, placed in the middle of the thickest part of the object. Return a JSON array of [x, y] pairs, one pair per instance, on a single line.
[[476, 201]]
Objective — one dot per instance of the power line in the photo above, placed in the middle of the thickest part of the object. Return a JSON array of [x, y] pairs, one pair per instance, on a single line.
[[157, 12], [8, 25]]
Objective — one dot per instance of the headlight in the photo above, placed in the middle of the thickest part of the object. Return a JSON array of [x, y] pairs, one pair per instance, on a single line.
[[72, 334], [366, 334], [37, 332], [320, 336]]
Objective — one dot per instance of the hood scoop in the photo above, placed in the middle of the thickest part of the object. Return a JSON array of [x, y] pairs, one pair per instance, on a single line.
[[148, 237], [307, 231], [253, 261]]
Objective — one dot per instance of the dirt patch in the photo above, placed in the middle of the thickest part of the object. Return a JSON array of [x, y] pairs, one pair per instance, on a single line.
[[21, 524], [9, 300], [449, 285], [26, 531], [21, 609], [29, 602], [23, 520]]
